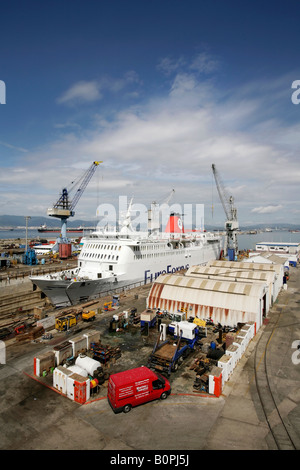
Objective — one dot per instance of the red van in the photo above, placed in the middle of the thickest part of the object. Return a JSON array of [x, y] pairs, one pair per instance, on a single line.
[[134, 387]]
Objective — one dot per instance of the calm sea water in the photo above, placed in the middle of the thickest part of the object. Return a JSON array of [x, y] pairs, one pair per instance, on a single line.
[[245, 241], [32, 234], [248, 242]]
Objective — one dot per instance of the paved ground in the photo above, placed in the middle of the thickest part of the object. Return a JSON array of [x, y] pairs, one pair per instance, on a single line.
[[33, 416]]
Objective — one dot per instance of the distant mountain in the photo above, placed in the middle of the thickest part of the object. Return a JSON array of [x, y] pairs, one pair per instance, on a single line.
[[35, 221]]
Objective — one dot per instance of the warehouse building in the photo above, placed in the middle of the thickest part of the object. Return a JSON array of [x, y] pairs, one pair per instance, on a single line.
[[229, 274], [249, 265], [227, 302]]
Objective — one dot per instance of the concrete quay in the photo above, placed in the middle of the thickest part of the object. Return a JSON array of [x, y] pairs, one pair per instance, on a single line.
[[251, 413]]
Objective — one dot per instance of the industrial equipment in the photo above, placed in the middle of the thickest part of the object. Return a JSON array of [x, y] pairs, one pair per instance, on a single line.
[[64, 207], [168, 355], [231, 224], [89, 316], [66, 322], [30, 258], [107, 306]]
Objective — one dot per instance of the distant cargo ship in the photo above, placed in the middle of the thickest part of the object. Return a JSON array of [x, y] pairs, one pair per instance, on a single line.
[[44, 229]]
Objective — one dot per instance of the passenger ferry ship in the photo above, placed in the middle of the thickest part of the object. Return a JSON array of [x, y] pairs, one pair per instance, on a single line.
[[109, 260]]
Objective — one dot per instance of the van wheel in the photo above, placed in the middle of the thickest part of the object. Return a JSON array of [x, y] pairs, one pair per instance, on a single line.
[[127, 408], [163, 396]]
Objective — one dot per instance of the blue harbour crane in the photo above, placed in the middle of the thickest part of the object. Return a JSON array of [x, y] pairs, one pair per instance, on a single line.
[[64, 207]]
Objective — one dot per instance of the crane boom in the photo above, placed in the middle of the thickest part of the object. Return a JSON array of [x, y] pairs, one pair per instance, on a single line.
[[85, 181]]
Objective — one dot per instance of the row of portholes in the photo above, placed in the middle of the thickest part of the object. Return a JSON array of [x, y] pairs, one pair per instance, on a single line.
[[103, 247], [100, 256]]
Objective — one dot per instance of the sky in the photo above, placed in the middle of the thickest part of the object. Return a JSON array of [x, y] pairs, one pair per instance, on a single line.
[[158, 91]]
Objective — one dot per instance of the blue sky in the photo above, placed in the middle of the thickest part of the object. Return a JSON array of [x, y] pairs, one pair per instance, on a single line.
[[158, 91]]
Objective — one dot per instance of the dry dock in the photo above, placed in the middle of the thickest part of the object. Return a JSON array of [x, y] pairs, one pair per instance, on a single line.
[[258, 409]]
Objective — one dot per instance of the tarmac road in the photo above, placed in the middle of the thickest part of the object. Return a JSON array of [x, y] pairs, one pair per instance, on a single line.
[[35, 417]]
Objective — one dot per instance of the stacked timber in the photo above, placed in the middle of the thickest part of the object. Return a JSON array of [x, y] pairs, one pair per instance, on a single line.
[[31, 334], [103, 353]]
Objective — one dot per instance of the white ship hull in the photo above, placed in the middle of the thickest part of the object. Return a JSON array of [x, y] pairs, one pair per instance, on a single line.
[[74, 286], [109, 261]]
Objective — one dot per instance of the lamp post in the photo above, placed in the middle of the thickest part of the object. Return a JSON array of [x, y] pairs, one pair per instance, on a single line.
[[26, 218]]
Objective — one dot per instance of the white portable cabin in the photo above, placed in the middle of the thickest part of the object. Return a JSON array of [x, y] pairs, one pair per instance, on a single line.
[[79, 345], [45, 362], [60, 375], [228, 303], [92, 336], [186, 328], [63, 352]]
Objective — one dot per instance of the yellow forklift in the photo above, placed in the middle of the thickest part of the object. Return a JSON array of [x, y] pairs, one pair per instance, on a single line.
[[89, 316]]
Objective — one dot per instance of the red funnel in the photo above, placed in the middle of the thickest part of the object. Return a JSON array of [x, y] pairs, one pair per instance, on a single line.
[[174, 224]]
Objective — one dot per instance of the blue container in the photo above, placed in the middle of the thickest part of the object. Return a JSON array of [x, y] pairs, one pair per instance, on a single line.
[[213, 345], [231, 254]]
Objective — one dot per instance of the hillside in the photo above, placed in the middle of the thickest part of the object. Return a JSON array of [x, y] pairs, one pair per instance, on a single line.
[[13, 221]]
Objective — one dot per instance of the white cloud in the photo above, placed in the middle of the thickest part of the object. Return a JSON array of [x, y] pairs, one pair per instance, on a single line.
[[172, 140], [82, 91], [267, 209], [93, 90], [204, 63], [19, 149]]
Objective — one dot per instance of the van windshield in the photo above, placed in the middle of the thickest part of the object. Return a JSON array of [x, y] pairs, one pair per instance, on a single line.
[[161, 378]]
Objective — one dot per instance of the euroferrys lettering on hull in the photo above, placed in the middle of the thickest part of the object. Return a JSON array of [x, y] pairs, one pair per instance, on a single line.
[[150, 277]]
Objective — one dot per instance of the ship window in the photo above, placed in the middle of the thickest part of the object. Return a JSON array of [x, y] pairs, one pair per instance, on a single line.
[[99, 275], [110, 267]]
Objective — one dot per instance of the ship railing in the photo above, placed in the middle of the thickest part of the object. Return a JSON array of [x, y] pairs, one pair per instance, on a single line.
[[124, 288]]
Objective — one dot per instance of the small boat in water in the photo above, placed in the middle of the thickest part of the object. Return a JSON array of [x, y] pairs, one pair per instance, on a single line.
[[44, 229]]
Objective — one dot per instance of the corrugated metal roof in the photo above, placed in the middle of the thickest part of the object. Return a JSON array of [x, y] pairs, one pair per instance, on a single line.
[[179, 289], [245, 265], [230, 286], [212, 272]]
